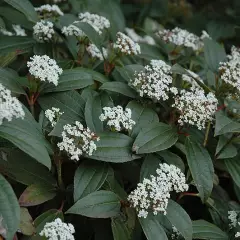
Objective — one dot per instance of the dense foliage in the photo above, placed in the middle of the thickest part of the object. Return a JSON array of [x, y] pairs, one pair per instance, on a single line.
[[119, 119]]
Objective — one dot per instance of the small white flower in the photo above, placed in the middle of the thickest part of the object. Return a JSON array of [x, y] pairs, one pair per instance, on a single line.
[[52, 9], [58, 230], [77, 140], [43, 31], [6, 32], [94, 52], [126, 45], [191, 79], [137, 38], [53, 115], [232, 216], [181, 37], [230, 70], [154, 81], [72, 30], [10, 107], [175, 233], [99, 23], [195, 107], [19, 30], [44, 68], [117, 118], [152, 194]]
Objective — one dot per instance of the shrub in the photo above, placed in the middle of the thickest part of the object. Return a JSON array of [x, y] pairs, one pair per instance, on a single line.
[[109, 132]]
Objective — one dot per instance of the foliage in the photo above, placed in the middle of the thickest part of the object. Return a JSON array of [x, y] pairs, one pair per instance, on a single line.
[[95, 115]]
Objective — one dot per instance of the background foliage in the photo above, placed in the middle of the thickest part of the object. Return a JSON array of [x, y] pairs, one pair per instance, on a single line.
[[91, 192]]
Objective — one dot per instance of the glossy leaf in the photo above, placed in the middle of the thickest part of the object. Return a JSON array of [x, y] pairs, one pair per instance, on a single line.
[[26, 222], [180, 219], [89, 177], [142, 116], [9, 209], [205, 230], [201, 167], [22, 168], [70, 79], [152, 228], [120, 229], [233, 167], [214, 53], [155, 137], [8, 79], [26, 135], [12, 44], [36, 194], [114, 147], [225, 125], [25, 7], [100, 204], [119, 87]]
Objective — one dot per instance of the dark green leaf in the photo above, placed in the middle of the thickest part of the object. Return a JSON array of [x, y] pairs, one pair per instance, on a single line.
[[229, 151], [97, 76], [233, 167], [142, 116], [24, 169], [93, 110], [155, 137], [172, 158], [179, 219], [100, 204], [8, 78], [120, 229], [36, 194], [27, 135], [48, 216], [119, 87], [9, 209], [214, 54], [12, 44], [114, 147], [205, 230], [71, 79], [201, 167], [150, 164], [26, 222], [89, 177], [69, 102], [225, 125], [25, 7], [152, 228]]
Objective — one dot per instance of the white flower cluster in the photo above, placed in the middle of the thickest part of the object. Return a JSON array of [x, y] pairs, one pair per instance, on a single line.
[[154, 81], [117, 118], [53, 115], [19, 31], [152, 195], [44, 68], [137, 38], [233, 218], [126, 45], [78, 140], [72, 30], [58, 230], [94, 52], [195, 107], [230, 70], [10, 107], [99, 23], [43, 31], [182, 37], [52, 9]]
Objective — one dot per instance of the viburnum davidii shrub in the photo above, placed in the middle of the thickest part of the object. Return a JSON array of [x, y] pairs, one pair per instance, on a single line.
[[115, 133]]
